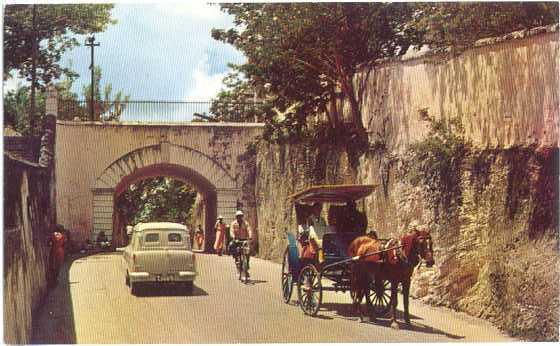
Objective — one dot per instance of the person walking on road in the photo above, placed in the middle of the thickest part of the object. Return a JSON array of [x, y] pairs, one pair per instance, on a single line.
[[199, 236], [56, 257], [220, 229]]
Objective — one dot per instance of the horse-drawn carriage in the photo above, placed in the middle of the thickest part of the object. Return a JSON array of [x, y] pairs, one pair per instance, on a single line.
[[352, 260], [331, 261]]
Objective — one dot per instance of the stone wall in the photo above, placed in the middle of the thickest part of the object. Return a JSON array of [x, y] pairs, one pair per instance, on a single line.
[[496, 228], [28, 217], [505, 93]]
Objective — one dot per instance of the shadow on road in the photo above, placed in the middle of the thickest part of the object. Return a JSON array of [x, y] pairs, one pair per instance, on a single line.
[[346, 311], [255, 282], [54, 322], [173, 291]]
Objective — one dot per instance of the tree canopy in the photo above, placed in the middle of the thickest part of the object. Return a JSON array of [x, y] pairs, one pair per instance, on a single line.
[[302, 57], [54, 28], [156, 199], [306, 55], [460, 24]]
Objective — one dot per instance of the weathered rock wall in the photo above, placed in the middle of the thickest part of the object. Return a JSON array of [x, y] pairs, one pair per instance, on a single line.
[[496, 228], [495, 242], [282, 170], [27, 219]]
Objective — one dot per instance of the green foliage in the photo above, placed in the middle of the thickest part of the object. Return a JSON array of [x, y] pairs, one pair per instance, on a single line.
[[156, 199], [304, 55], [236, 103], [460, 24], [17, 104], [54, 29], [17, 109], [436, 161], [107, 107]]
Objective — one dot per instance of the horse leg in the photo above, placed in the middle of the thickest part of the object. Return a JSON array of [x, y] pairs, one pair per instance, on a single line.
[[406, 293], [360, 296], [394, 285], [369, 306], [356, 290]]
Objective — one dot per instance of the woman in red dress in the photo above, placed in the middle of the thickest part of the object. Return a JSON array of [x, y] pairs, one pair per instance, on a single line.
[[57, 242]]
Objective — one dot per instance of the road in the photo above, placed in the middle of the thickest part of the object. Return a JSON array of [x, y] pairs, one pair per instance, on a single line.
[[92, 305]]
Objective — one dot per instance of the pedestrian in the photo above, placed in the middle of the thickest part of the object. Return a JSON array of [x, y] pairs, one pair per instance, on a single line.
[[199, 236], [190, 231], [220, 229], [56, 256]]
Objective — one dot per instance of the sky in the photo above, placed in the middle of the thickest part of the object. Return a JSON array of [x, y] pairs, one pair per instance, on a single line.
[[160, 51]]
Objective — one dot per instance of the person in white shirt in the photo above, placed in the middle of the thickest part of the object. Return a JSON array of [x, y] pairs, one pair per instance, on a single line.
[[317, 225]]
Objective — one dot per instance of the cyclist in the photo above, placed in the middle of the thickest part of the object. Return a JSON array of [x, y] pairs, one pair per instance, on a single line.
[[240, 230]]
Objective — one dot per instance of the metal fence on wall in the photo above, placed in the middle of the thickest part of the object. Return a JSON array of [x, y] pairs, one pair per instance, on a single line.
[[152, 111]]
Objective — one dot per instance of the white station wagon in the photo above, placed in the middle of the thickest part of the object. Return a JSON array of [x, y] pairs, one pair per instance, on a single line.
[[159, 252]]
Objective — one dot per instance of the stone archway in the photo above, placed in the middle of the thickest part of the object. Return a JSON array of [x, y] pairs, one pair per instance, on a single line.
[[213, 181]]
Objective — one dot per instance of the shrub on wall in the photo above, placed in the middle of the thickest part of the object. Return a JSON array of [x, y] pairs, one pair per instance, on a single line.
[[436, 163]]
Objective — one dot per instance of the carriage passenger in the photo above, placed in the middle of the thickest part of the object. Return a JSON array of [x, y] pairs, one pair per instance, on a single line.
[[317, 225]]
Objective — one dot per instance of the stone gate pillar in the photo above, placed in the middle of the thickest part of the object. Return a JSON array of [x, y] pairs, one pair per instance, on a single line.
[[102, 212], [226, 203]]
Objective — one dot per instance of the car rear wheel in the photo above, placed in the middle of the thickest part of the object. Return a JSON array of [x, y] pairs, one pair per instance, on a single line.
[[134, 288], [188, 286]]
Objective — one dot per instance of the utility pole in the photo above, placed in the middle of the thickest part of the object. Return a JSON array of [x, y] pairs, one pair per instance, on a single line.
[[90, 42]]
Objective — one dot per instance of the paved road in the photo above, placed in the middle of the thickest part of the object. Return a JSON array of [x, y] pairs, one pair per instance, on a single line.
[[92, 305]]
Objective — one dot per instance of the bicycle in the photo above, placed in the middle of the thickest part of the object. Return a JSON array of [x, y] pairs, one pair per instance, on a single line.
[[243, 254]]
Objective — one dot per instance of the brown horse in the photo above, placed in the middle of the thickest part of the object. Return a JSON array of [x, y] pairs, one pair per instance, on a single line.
[[396, 266], [363, 269]]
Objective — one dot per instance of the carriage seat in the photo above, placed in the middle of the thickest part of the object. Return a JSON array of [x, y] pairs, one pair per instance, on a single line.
[[336, 244]]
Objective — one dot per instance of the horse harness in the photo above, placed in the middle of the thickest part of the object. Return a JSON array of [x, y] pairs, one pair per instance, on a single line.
[[398, 250]]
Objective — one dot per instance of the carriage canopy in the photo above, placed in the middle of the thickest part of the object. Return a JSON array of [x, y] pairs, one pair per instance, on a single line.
[[332, 193]]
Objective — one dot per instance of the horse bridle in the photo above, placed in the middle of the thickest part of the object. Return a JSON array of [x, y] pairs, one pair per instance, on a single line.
[[429, 239]]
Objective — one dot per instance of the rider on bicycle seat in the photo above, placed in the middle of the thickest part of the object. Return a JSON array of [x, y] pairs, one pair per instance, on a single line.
[[240, 230]]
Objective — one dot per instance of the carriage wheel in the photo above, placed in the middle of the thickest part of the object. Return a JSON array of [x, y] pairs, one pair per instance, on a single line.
[[310, 291], [287, 278], [380, 296]]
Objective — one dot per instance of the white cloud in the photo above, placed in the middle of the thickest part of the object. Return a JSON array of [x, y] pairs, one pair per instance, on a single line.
[[205, 86], [12, 84], [197, 9]]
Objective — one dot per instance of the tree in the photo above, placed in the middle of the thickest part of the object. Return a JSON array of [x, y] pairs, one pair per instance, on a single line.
[[106, 106], [17, 104], [460, 24], [156, 199], [307, 54], [36, 37], [16, 109]]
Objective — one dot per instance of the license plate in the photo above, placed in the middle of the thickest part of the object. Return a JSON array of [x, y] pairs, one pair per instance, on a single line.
[[164, 278]]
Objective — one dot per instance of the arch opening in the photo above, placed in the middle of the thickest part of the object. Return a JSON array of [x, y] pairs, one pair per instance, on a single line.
[[217, 190], [161, 177]]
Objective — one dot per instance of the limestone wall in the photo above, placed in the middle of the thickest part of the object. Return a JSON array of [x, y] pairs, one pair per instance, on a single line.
[[506, 93], [27, 219]]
